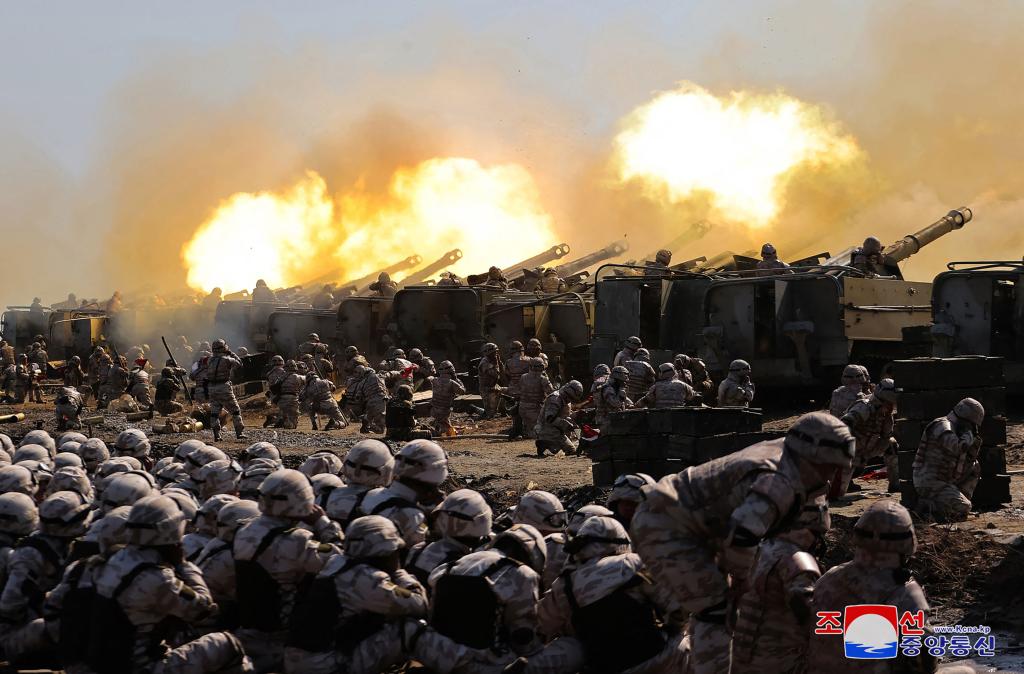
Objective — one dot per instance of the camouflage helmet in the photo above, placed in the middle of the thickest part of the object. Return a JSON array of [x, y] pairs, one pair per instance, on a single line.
[[182, 451], [94, 452], [323, 485], [523, 543], [620, 373], [206, 516], [111, 467], [739, 365], [629, 487], [664, 256], [489, 347], [852, 374], [170, 473], [321, 462], [369, 463], [291, 365], [124, 489], [584, 514], [415, 355], [351, 351], [39, 437], [218, 477], [132, 442], [260, 450], [31, 453], [970, 410], [218, 345], [667, 371], [463, 514], [65, 459], [885, 527], [572, 390], [886, 391], [70, 478], [872, 245], [599, 537], [768, 249], [313, 337], [256, 471], [5, 443], [602, 370], [372, 536], [542, 510], [533, 343], [18, 514], [64, 514], [155, 521], [446, 366], [633, 342], [422, 460], [76, 360], [286, 493], [198, 458], [537, 365], [642, 354], [515, 346], [233, 516], [110, 530], [18, 479], [185, 501], [821, 438], [166, 373], [277, 360], [70, 436]]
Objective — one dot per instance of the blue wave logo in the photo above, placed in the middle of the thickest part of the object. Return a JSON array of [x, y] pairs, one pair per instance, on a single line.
[[871, 636]]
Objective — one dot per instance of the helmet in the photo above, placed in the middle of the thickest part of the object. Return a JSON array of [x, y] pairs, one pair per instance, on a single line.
[[872, 245], [489, 347], [321, 462], [200, 457], [415, 355], [5, 443], [422, 460], [31, 453], [277, 360], [970, 410], [634, 342], [767, 249], [110, 467], [515, 346], [39, 437], [65, 514], [155, 520], [599, 537], [541, 509], [372, 536], [18, 479], [18, 514], [463, 514], [186, 448], [573, 390], [131, 442], [852, 374], [584, 514], [819, 437], [125, 489], [533, 343], [170, 473], [323, 485], [66, 450], [260, 450], [218, 345], [537, 365], [70, 436], [360, 371], [218, 477], [166, 373], [291, 366], [739, 366], [256, 471], [446, 366], [185, 501], [93, 452], [629, 487], [313, 337], [620, 373], [286, 493], [351, 351], [206, 516], [642, 354], [667, 371], [663, 256], [233, 516], [70, 478], [886, 391], [602, 370], [110, 530], [885, 527], [523, 543], [368, 463]]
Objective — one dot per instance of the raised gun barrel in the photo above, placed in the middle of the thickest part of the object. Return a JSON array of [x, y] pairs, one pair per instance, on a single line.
[[553, 253], [436, 267], [363, 282], [912, 243], [694, 232], [614, 249]]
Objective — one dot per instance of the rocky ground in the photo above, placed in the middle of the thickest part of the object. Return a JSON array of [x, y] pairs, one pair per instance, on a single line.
[[972, 572]]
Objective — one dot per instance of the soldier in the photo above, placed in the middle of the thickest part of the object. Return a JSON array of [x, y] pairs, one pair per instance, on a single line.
[[491, 372], [871, 421], [668, 391], [543, 511], [200, 375], [611, 397], [851, 391], [662, 259], [681, 364], [626, 496], [449, 280], [555, 429], [607, 602], [641, 374], [288, 400], [23, 383], [325, 298], [368, 465], [310, 345], [628, 351], [774, 614], [534, 388], [219, 390], [396, 370], [352, 360], [6, 354], [736, 390], [384, 286], [367, 398], [425, 369], [117, 380], [275, 377], [262, 293], [216, 563], [883, 542], [67, 407], [319, 395], [699, 528], [946, 464], [211, 301], [601, 375], [74, 375], [167, 389], [39, 356], [582, 515], [551, 282], [420, 468], [516, 365], [273, 555], [463, 523], [445, 388], [134, 443], [533, 348], [92, 369], [496, 279], [138, 387], [770, 263], [205, 524]]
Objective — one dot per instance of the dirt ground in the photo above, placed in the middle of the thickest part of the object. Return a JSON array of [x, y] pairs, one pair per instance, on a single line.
[[972, 572]]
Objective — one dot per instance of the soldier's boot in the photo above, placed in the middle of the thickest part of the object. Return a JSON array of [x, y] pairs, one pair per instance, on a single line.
[[314, 422], [331, 425], [268, 421], [216, 432], [239, 426]]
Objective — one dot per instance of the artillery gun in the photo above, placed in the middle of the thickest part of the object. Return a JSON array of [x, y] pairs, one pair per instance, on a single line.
[[514, 271], [580, 264], [361, 285], [432, 269]]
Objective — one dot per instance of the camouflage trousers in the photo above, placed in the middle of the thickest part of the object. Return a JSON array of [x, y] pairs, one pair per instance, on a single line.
[[374, 416], [142, 395], [684, 560], [215, 652], [442, 417], [554, 440], [289, 406], [222, 396], [67, 416], [529, 413], [389, 647], [942, 501], [330, 409], [168, 407], [491, 399]]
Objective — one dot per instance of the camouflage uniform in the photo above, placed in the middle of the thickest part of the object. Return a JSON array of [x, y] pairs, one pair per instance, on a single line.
[[369, 401], [318, 394], [872, 423], [641, 378], [69, 405], [34, 568], [534, 388], [845, 396], [221, 395], [623, 356], [555, 427], [166, 391], [735, 392], [946, 470], [444, 389], [275, 376], [138, 387], [516, 366], [425, 557], [489, 378], [397, 502], [667, 393], [288, 400], [425, 369], [74, 375], [6, 355], [610, 398]]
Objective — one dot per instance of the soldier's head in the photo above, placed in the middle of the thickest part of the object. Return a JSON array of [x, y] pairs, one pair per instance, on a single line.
[[70, 436], [185, 448], [313, 337], [768, 253], [18, 479], [542, 510], [822, 443], [206, 516], [253, 475], [39, 437], [383, 277], [537, 365], [667, 372], [75, 360], [633, 343], [167, 373], [627, 494], [872, 246], [551, 271], [415, 355], [968, 411], [351, 351], [199, 457], [572, 391], [260, 283], [216, 292], [494, 272], [446, 367], [18, 514], [287, 494], [233, 516], [599, 537], [620, 374], [465, 516], [169, 473], [324, 461], [739, 368], [31, 453], [260, 450], [132, 442], [533, 346], [156, 522], [65, 514], [515, 346], [421, 465], [523, 543], [373, 537], [886, 392], [852, 374], [218, 346], [93, 452], [664, 256], [219, 477], [291, 366], [602, 370], [583, 514], [642, 354], [124, 489], [884, 535], [277, 361], [489, 349], [369, 463]]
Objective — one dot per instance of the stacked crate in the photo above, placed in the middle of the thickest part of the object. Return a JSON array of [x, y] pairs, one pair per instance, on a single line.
[[931, 388], [663, 441]]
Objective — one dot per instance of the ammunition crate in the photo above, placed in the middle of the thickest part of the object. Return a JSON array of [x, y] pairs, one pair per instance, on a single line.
[[694, 421], [991, 491], [992, 461], [694, 451], [908, 495], [926, 374], [605, 472], [928, 405], [627, 422]]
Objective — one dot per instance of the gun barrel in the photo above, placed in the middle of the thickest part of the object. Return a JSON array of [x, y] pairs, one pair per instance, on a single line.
[[401, 265], [436, 267], [912, 243], [694, 232], [553, 253], [614, 249]]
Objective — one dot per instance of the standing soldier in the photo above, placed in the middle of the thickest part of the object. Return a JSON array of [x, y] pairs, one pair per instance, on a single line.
[[534, 348], [69, 405], [117, 380], [946, 464], [516, 366], [6, 354], [92, 370], [445, 388], [368, 399], [221, 395], [770, 263], [871, 422], [628, 352], [39, 357], [534, 388], [352, 360], [425, 369], [275, 376], [736, 390], [555, 429], [697, 531], [490, 373], [319, 396], [668, 391], [611, 397], [310, 345], [851, 391], [384, 286], [641, 374], [74, 375], [699, 379], [288, 400]]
